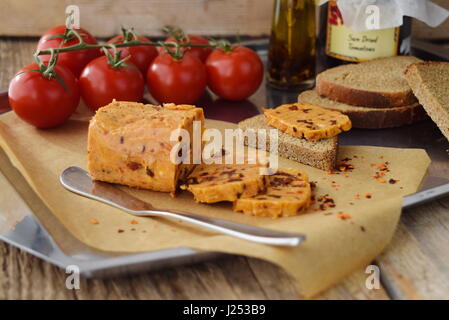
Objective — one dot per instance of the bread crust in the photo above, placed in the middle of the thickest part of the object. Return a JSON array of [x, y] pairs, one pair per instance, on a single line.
[[370, 118], [436, 109], [327, 84]]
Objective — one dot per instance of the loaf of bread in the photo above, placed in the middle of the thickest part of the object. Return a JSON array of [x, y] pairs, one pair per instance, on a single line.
[[430, 84], [307, 121], [368, 118], [287, 193], [377, 83], [320, 154], [129, 143]]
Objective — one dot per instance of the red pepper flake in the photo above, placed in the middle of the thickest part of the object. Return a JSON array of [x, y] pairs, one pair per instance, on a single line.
[[381, 180], [326, 202], [392, 181], [94, 221], [120, 230], [344, 166], [368, 195], [133, 221], [343, 216]]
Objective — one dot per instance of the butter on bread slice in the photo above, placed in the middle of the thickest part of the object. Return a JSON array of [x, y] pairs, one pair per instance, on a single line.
[[307, 121], [287, 193], [129, 143], [320, 154]]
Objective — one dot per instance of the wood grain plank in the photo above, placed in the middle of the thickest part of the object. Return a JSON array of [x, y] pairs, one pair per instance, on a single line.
[[222, 17], [14, 54], [351, 288], [416, 263]]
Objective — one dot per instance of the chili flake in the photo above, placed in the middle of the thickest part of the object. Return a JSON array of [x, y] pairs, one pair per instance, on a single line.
[[343, 216], [94, 221]]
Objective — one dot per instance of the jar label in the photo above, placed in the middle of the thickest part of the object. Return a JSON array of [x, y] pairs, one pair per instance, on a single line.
[[344, 44]]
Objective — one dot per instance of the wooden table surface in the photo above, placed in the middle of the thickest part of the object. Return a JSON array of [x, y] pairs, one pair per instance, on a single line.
[[414, 266]]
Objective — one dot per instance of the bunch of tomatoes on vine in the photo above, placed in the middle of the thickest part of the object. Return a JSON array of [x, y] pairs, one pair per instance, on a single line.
[[71, 64]]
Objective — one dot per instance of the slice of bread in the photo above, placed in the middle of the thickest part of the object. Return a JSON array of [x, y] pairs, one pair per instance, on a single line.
[[320, 154], [368, 118], [376, 83], [430, 84]]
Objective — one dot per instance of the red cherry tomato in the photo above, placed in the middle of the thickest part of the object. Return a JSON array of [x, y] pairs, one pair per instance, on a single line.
[[43, 102], [172, 81], [74, 60], [100, 83], [234, 75], [200, 53], [141, 56]]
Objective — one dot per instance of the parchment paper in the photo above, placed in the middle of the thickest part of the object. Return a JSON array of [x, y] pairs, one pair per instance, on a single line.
[[339, 239]]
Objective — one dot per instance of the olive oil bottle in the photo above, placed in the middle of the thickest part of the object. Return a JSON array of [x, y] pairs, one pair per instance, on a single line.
[[291, 56], [337, 44]]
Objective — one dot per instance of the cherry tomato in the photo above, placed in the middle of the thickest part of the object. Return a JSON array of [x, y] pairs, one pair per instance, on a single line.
[[200, 53], [234, 75], [43, 102], [172, 81], [100, 83], [141, 56], [74, 60]]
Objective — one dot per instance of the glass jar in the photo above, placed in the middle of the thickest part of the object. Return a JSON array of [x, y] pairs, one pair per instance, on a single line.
[[291, 56], [337, 44]]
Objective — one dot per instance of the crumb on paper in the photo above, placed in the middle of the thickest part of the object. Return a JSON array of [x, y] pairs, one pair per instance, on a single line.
[[94, 221], [133, 221], [368, 195], [120, 230], [393, 181]]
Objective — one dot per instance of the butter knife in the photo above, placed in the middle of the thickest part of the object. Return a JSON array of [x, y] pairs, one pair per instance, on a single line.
[[78, 181]]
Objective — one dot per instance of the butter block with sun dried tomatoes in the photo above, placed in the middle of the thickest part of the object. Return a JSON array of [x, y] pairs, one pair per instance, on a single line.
[[307, 121], [287, 193], [129, 143]]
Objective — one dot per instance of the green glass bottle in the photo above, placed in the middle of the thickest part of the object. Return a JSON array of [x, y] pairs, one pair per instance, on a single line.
[[291, 56]]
